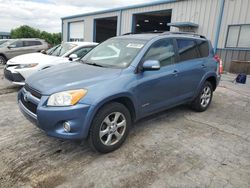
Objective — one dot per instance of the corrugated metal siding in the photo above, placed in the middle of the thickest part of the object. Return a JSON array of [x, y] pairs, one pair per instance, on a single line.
[[203, 12], [88, 24], [229, 55], [235, 12]]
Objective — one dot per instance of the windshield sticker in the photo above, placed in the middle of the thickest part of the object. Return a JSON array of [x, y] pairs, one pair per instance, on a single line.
[[133, 45]]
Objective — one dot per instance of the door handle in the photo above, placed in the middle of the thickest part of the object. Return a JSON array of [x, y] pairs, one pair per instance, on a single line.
[[203, 66], [174, 73]]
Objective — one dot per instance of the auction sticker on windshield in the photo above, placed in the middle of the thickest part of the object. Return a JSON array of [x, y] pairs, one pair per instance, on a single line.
[[133, 45]]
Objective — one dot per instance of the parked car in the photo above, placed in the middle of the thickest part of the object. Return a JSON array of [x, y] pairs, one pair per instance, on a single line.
[[21, 67], [99, 98], [21, 46]]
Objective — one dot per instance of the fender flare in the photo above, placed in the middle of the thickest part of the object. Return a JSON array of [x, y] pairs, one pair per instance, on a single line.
[[204, 78], [101, 102]]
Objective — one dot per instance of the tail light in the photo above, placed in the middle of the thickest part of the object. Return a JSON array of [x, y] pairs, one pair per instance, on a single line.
[[219, 61]]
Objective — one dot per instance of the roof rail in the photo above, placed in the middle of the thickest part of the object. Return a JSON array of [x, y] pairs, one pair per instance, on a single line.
[[184, 33], [148, 32]]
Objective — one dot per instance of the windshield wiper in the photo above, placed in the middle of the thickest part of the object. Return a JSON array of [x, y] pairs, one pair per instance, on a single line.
[[94, 64]]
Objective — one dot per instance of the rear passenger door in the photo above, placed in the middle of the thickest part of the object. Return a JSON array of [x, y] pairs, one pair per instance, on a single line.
[[191, 66], [31, 46]]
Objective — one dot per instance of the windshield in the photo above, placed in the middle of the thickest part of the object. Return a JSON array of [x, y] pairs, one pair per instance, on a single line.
[[60, 50], [116, 52], [4, 42]]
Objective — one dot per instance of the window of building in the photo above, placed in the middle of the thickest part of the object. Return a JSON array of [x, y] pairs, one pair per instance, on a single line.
[[238, 36], [162, 51], [187, 49]]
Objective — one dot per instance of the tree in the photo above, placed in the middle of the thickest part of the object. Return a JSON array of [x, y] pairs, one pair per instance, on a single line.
[[29, 32]]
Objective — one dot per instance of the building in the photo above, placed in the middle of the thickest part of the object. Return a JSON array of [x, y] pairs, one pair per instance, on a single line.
[[4, 35], [225, 22]]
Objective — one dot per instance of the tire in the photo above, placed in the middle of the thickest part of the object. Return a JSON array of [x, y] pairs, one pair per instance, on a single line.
[[3, 60], [203, 100], [110, 128]]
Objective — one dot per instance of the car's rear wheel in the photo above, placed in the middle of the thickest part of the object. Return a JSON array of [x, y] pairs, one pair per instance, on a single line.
[[203, 100], [2, 60], [109, 128]]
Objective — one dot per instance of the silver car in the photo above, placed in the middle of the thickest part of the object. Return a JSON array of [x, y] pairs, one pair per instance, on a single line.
[[17, 47]]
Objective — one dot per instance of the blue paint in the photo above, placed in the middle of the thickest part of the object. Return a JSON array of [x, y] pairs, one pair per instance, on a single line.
[[94, 31], [217, 34], [121, 8], [148, 91], [120, 23]]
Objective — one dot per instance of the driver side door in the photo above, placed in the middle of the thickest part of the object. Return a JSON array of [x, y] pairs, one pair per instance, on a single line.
[[158, 89]]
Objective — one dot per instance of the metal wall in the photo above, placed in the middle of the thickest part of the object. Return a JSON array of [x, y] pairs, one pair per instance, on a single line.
[[203, 12], [228, 56]]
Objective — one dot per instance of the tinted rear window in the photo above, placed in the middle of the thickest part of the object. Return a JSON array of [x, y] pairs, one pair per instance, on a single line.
[[203, 47], [192, 49], [32, 43]]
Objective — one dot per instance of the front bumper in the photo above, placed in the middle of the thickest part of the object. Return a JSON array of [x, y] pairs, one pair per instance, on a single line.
[[16, 78], [51, 119]]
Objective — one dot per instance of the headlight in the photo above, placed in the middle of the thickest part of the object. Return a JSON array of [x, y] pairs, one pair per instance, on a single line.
[[66, 98], [22, 66]]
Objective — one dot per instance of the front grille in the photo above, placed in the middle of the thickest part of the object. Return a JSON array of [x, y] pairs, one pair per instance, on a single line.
[[14, 77], [29, 105], [33, 91], [8, 75]]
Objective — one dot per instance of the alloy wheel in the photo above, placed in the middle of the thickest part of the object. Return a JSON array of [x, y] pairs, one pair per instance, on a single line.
[[112, 128], [206, 96]]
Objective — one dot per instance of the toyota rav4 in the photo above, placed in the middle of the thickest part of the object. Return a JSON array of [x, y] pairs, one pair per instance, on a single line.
[[119, 82]]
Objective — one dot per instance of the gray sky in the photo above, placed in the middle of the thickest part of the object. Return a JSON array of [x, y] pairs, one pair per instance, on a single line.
[[46, 14]]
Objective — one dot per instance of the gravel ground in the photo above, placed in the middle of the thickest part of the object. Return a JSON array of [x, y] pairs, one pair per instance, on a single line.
[[175, 148]]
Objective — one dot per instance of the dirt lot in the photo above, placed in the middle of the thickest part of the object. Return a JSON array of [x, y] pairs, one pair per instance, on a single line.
[[176, 148]]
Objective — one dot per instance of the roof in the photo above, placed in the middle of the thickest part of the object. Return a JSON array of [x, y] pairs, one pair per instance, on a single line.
[[183, 24], [82, 43], [145, 36], [159, 2]]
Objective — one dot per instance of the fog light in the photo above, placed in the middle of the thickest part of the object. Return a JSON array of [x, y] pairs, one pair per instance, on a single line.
[[66, 127]]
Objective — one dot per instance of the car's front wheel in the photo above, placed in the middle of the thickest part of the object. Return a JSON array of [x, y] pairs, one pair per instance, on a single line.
[[203, 100], [2, 60], [110, 127]]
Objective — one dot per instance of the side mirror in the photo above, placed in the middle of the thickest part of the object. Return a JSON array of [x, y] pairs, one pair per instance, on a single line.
[[43, 52], [73, 57], [151, 65], [12, 46]]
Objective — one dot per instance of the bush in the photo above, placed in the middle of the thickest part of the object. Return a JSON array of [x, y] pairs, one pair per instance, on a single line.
[[29, 32]]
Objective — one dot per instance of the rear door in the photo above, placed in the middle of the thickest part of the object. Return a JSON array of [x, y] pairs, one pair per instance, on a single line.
[[31, 46], [191, 66]]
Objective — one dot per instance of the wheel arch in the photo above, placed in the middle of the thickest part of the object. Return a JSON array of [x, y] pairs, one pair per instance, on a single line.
[[125, 99]]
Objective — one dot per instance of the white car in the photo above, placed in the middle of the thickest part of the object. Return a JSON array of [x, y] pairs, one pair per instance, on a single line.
[[21, 67]]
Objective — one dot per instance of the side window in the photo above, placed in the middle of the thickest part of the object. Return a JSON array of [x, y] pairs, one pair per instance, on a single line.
[[18, 44], [163, 51], [203, 47], [187, 49], [82, 51], [31, 43]]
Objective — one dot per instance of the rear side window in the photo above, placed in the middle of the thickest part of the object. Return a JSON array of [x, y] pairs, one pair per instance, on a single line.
[[163, 51], [203, 47], [32, 43], [187, 49]]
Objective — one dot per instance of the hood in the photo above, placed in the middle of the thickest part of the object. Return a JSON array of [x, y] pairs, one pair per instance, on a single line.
[[34, 58], [69, 76]]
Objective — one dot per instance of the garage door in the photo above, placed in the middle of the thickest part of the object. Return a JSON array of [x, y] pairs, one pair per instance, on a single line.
[[76, 31]]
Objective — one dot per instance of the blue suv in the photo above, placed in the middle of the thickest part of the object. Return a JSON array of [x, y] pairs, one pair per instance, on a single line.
[[120, 81]]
